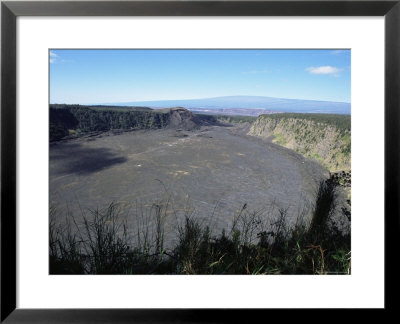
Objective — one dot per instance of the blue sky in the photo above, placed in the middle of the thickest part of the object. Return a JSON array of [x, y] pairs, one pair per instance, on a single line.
[[101, 76]]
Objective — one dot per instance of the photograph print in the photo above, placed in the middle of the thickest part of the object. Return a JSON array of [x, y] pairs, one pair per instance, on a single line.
[[200, 161]]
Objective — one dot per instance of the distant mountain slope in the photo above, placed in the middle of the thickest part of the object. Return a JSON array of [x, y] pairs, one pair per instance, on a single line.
[[269, 103]]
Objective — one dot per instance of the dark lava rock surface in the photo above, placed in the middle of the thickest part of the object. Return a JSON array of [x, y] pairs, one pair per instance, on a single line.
[[209, 173]]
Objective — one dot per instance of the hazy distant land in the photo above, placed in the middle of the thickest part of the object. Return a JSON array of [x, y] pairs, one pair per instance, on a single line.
[[247, 105]]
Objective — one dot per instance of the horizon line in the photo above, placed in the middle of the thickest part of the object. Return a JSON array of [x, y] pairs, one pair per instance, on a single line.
[[124, 102]]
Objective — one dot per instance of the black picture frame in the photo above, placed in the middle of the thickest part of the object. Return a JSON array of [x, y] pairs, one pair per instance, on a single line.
[[10, 10]]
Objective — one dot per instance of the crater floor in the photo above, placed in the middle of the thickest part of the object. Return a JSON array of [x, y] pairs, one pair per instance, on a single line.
[[210, 173]]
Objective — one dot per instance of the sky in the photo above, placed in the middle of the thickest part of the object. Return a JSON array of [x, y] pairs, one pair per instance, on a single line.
[[104, 76]]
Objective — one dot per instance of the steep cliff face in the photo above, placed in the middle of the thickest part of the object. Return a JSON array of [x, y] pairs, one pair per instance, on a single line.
[[325, 138], [181, 118], [66, 119]]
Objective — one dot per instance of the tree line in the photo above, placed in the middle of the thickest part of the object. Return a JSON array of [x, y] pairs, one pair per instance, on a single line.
[[341, 122]]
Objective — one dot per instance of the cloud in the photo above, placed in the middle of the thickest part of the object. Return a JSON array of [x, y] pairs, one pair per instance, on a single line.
[[327, 69], [53, 57]]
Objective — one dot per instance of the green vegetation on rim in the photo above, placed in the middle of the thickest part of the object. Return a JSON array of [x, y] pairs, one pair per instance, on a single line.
[[323, 137], [341, 122], [235, 119]]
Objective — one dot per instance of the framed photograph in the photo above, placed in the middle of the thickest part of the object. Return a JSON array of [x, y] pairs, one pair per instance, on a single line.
[[163, 158]]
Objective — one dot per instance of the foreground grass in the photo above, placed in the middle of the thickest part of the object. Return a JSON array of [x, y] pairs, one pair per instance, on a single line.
[[101, 244]]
